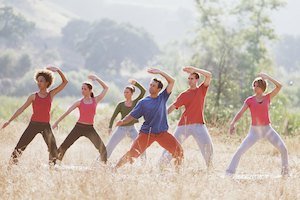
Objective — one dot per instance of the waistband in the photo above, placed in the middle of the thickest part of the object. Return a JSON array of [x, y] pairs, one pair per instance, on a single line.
[[84, 125], [155, 134], [40, 123]]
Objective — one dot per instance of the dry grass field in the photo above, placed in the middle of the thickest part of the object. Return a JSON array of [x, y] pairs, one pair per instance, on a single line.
[[85, 178]]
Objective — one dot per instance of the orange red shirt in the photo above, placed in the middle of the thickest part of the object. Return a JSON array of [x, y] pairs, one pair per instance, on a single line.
[[259, 110], [193, 100], [87, 112], [41, 108]]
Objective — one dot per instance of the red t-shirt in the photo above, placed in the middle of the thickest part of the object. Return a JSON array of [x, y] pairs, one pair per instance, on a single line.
[[193, 101], [87, 111], [41, 108], [259, 110]]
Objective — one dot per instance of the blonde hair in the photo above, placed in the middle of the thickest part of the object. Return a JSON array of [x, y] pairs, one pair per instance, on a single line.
[[261, 83]]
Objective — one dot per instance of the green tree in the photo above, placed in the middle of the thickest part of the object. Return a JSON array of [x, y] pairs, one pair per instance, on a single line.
[[231, 42], [105, 45], [13, 28]]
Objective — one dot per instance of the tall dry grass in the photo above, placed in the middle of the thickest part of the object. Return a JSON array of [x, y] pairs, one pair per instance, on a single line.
[[33, 180]]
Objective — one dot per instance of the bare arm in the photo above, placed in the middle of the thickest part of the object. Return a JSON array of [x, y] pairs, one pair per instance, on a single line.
[[205, 73], [237, 117], [124, 121], [59, 88], [278, 85], [168, 78], [99, 97], [75, 105], [171, 108], [20, 110]]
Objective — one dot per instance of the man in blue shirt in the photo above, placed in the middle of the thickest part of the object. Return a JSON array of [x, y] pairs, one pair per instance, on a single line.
[[155, 128]]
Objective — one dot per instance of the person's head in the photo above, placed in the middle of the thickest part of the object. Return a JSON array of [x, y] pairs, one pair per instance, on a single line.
[[193, 79], [259, 85], [155, 86], [44, 79], [87, 90], [128, 91]]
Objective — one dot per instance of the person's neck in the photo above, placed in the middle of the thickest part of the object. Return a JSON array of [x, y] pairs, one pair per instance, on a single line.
[[43, 91], [129, 100], [259, 95], [86, 97], [193, 87], [153, 95]]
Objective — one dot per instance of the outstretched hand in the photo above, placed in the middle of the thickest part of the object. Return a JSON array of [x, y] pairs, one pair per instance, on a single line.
[[132, 81], [55, 125], [231, 129], [5, 125], [92, 77], [263, 75], [119, 123], [153, 71], [188, 69], [52, 68]]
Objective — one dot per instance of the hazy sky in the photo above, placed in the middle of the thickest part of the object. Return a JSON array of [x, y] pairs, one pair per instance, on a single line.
[[166, 19]]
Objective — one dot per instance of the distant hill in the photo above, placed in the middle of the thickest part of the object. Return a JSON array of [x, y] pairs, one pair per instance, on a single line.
[[49, 17]]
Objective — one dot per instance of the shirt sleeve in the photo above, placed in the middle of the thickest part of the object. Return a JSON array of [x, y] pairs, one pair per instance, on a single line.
[[179, 101], [203, 89], [137, 111], [248, 101], [116, 112], [165, 94], [143, 91]]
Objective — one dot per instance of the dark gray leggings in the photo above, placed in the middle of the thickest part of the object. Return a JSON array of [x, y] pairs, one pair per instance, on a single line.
[[87, 131], [31, 131]]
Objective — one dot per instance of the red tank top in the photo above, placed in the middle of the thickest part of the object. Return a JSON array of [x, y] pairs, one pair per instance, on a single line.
[[87, 112], [41, 108]]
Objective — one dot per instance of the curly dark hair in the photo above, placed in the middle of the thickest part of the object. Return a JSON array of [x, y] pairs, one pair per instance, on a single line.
[[46, 74]]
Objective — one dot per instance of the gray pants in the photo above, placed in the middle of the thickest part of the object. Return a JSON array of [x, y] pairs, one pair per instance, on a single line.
[[200, 134], [118, 135], [256, 133]]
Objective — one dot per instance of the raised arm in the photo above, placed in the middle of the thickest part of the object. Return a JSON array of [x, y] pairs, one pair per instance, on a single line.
[[168, 78], [207, 75], [103, 84], [20, 110], [138, 85], [59, 88], [237, 117], [75, 105], [278, 85]]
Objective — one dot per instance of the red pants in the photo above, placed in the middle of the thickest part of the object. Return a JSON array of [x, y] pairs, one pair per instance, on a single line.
[[164, 139]]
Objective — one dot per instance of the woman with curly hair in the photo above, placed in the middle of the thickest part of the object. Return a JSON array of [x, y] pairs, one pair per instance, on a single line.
[[39, 123]]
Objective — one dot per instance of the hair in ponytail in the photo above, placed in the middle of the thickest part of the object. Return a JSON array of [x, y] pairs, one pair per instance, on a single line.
[[131, 88], [90, 88]]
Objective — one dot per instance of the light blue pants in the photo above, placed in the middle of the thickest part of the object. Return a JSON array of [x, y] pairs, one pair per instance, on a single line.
[[118, 135], [256, 133], [200, 134]]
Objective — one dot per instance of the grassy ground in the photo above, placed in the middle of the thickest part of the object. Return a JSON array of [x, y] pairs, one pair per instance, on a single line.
[[33, 180]]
